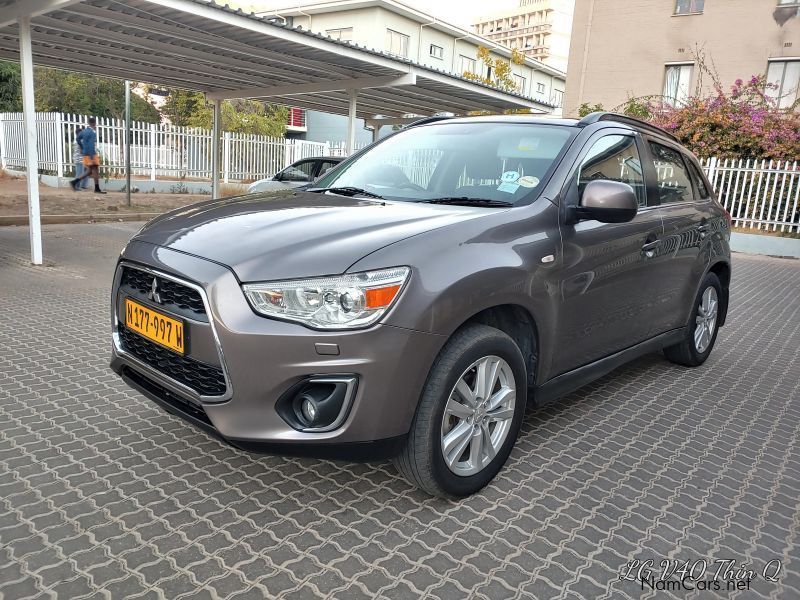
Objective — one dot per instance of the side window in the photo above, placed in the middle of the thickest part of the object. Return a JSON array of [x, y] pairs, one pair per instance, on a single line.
[[699, 182], [325, 166], [298, 172], [672, 175], [616, 158]]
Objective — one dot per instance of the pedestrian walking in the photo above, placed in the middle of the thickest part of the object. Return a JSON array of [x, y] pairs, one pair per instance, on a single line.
[[91, 160], [77, 158]]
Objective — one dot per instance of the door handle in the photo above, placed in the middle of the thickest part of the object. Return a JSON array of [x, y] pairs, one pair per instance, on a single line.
[[650, 245]]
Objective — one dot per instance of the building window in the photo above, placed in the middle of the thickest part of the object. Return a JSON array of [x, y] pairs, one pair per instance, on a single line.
[[784, 75], [437, 51], [396, 43], [540, 88], [689, 7], [345, 34], [676, 84], [466, 64], [519, 83], [558, 98]]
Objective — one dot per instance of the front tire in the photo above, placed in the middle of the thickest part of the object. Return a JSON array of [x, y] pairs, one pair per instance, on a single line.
[[469, 415], [701, 332]]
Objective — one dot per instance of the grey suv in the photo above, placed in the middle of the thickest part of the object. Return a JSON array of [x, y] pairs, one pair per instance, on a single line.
[[415, 300]]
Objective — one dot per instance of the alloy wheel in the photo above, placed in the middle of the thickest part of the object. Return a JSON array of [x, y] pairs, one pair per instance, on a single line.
[[478, 415], [706, 319]]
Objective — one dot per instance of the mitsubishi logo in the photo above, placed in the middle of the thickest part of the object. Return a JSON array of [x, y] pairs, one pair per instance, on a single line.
[[153, 293]]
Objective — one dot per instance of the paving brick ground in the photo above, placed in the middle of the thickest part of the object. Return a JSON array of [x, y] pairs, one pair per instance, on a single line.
[[103, 495]]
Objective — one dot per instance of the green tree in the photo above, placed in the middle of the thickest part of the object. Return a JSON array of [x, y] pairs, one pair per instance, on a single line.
[[243, 116], [10, 88], [62, 91], [181, 106]]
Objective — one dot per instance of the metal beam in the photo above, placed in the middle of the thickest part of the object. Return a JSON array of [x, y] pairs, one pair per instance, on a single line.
[[128, 142], [31, 156], [215, 135], [195, 36], [211, 62], [30, 8], [317, 87], [214, 14], [351, 121]]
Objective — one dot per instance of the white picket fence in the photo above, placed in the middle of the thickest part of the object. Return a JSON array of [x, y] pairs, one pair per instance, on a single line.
[[759, 194], [157, 151]]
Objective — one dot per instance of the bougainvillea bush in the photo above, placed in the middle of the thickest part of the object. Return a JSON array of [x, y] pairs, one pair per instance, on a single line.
[[742, 123]]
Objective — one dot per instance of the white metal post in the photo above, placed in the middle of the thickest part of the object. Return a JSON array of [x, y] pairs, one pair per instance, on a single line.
[[351, 121], [153, 150], [59, 130], [127, 139], [215, 148], [3, 149], [29, 119], [226, 156]]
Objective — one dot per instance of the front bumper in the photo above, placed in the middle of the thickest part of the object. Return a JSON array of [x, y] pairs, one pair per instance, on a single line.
[[262, 358]]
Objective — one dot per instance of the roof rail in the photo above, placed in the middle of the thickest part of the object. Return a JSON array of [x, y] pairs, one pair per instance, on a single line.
[[426, 120], [617, 118]]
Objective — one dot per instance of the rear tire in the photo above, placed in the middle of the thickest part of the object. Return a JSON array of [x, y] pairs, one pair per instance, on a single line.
[[701, 332], [461, 406]]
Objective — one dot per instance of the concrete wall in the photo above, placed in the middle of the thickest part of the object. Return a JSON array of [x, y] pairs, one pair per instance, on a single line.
[[619, 49]]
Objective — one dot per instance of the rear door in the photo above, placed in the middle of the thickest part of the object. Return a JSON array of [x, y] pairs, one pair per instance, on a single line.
[[686, 209], [612, 276]]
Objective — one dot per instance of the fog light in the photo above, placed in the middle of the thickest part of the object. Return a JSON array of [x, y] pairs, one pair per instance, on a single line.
[[309, 410], [319, 403]]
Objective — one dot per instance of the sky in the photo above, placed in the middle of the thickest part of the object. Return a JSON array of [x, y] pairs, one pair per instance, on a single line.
[[458, 12]]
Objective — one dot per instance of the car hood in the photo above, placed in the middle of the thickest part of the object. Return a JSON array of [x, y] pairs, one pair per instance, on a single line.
[[265, 237]]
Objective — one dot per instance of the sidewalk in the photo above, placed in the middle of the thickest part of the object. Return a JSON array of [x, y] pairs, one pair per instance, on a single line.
[[59, 205]]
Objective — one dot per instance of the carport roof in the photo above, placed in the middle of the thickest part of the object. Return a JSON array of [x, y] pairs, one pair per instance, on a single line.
[[203, 46]]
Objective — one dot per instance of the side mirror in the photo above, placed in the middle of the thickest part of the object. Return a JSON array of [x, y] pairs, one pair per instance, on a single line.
[[608, 202]]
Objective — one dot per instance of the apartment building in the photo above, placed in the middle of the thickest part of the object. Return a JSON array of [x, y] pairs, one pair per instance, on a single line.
[[648, 47], [392, 27], [539, 28]]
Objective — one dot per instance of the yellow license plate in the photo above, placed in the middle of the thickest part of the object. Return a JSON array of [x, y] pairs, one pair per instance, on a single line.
[[155, 326]]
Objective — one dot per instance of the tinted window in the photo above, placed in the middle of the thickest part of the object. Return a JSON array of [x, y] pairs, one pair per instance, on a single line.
[[298, 172], [699, 182], [674, 184], [614, 157], [324, 166]]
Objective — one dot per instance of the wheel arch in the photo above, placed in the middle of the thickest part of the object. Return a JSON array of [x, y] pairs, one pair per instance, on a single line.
[[519, 324], [722, 270]]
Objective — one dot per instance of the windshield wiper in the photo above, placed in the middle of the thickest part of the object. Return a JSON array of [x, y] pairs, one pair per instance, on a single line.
[[348, 191], [467, 200]]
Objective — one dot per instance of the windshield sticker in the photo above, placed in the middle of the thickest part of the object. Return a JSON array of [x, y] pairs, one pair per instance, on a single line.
[[509, 176], [528, 144], [507, 187], [528, 181]]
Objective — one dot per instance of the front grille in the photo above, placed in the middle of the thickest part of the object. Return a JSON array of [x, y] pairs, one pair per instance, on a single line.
[[206, 380], [172, 293], [187, 408]]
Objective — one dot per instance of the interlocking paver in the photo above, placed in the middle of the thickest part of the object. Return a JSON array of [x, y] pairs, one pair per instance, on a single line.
[[104, 495]]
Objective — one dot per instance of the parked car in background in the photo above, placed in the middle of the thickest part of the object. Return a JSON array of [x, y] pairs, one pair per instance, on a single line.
[[298, 173], [416, 298]]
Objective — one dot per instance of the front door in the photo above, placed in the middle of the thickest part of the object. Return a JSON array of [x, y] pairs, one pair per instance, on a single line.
[[610, 288]]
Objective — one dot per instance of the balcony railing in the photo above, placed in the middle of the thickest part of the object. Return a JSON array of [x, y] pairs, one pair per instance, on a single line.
[[297, 119]]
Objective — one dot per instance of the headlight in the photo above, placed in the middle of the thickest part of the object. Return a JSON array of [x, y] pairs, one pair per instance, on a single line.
[[343, 302]]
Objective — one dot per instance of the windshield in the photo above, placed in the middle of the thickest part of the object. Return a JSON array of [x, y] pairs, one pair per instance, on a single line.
[[502, 162]]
